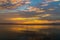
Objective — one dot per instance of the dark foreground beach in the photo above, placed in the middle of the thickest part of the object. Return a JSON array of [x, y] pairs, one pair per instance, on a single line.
[[29, 32]]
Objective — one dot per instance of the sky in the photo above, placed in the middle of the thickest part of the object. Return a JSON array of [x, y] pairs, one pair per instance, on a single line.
[[30, 11]]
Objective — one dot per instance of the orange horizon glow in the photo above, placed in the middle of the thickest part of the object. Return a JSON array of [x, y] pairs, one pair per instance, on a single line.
[[29, 20]]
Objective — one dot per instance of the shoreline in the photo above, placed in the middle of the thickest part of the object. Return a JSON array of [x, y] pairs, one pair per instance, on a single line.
[[29, 24]]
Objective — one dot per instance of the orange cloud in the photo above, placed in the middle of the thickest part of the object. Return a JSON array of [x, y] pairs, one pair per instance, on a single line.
[[28, 20], [37, 22], [51, 9]]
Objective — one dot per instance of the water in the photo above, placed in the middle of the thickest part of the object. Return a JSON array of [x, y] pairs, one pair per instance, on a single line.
[[29, 32]]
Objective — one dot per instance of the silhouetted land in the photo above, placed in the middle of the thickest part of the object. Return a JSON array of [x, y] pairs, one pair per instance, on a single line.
[[29, 24]]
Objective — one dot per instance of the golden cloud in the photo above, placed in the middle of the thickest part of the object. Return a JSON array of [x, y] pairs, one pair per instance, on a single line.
[[51, 9], [46, 15], [28, 20]]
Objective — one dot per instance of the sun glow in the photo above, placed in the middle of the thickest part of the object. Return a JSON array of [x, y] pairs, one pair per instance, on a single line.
[[28, 20]]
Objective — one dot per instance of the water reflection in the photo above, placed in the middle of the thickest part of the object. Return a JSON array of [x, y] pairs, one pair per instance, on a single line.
[[29, 32]]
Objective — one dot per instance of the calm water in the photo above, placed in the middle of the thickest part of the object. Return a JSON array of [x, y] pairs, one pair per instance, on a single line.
[[29, 32]]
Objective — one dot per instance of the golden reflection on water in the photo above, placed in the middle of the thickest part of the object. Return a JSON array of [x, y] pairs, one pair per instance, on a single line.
[[19, 28], [31, 32]]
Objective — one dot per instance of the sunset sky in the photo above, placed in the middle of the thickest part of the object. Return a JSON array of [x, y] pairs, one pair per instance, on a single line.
[[30, 11]]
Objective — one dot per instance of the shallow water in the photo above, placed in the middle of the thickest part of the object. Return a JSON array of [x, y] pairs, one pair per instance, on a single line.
[[29, 32]]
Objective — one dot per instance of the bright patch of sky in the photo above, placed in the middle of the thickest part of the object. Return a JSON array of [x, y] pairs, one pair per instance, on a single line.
[[56, 0], [35, 2]]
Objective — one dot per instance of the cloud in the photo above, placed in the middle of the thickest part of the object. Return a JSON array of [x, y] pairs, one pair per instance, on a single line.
[[51, 9], [46, 15], [13, 3], [56, 0], [34, 9], [44, 4]]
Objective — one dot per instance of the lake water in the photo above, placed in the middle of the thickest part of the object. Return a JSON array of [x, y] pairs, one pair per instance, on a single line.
[[29, 32]]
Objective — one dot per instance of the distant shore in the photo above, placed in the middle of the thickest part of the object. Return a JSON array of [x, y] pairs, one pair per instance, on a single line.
[[30, 24]]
